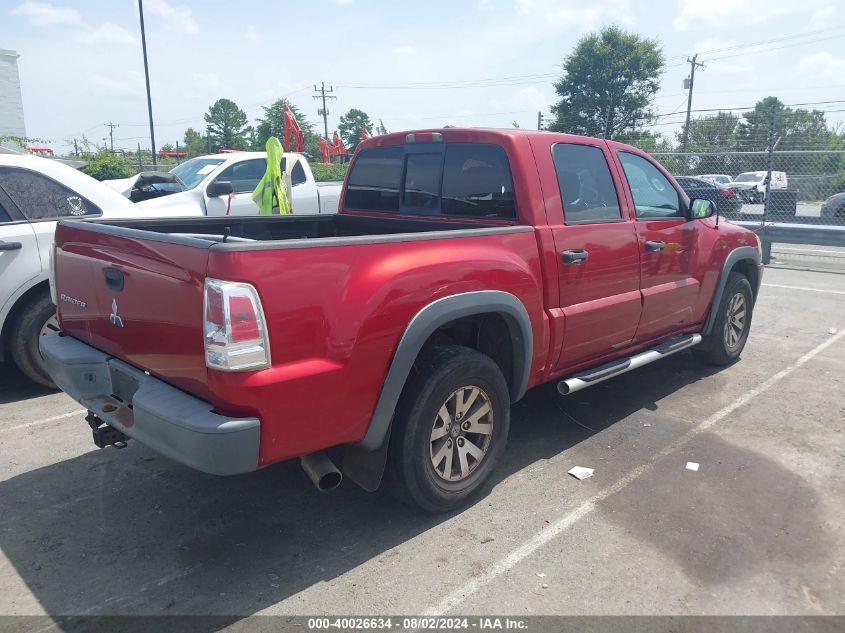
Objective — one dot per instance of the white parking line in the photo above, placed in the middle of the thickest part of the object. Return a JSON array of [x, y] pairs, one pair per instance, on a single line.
[[823, 290], [530, 546], [27, 425]]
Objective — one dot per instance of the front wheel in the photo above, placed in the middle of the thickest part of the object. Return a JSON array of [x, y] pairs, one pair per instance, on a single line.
[[450, 429], [36, 319], [726, 340]]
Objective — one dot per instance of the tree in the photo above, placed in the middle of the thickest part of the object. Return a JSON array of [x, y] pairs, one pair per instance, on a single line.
[[350, 127], [273, 124], [608, 84], [195, 144], [380, 129], [106, 165], [227, 125], [715, 138]]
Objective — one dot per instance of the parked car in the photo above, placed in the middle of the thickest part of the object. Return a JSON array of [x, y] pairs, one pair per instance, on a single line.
[[34, 194], [208, 180], [751, 185], [833, 209], [719, 179], [726, 200], [465, 267], [147, 185]]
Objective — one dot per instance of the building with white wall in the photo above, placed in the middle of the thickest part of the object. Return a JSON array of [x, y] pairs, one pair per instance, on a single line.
[[11, 103]]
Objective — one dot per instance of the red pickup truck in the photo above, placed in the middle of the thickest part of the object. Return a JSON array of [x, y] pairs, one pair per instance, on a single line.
[[389, 340]]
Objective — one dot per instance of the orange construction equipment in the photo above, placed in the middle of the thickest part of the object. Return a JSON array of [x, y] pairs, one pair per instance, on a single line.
[[292, 129]]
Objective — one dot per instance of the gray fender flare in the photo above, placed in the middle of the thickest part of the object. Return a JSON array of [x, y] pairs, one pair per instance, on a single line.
[[423, 325], [736, 255]]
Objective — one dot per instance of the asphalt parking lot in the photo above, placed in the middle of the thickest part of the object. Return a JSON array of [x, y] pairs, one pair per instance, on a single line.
[[759, 529]]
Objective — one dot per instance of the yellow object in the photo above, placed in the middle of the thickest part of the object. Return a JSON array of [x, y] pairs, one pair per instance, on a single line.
[[270, 195]]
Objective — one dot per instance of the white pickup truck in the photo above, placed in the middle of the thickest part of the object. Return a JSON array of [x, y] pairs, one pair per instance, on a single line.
[[35, 193], [206, 190]]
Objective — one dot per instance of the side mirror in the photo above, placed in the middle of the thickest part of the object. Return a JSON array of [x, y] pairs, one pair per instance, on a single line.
[[220, 188], [699, 208]]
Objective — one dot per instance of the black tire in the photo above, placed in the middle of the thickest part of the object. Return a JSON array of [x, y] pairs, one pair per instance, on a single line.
[[411, 476], [26, 330], [716, 347]]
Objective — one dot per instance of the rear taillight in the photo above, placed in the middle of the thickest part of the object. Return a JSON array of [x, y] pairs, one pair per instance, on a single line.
[[235, 329], [728, 193]]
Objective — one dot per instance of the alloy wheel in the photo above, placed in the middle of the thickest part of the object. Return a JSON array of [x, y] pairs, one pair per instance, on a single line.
[[735, 321], [461, 433]]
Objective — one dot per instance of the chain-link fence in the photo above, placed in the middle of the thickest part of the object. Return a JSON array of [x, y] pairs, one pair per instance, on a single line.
[[783, 186], [772, 162]]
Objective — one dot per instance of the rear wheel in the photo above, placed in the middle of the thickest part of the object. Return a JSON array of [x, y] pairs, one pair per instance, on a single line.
[[36, 319], [450, 429], [726, 340]]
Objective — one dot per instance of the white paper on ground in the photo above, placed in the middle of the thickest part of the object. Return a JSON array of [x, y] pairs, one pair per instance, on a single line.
[[692, 466], [579, 472]]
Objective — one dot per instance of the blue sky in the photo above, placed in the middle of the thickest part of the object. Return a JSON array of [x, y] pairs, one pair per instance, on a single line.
[[81, 62]]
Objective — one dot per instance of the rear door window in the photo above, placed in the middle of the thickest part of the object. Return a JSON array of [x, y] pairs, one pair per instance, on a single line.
[[42, 198], [586, 186]]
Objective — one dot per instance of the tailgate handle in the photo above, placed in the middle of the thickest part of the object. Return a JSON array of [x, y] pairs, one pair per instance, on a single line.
[[114, 278]]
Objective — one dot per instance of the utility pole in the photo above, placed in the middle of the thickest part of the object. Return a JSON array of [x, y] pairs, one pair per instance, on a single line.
[[771, 152], [693, 65], [111, 127], [324, 112], [539, 120], [147, 77]]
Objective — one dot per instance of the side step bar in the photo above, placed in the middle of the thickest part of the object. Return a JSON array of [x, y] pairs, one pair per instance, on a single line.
[[614, 368]]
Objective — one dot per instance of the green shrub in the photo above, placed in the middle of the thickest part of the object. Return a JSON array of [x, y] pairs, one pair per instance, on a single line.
[[107, 166], [333, 171]]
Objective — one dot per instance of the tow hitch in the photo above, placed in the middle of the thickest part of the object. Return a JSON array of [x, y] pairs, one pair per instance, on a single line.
[[105, 435]]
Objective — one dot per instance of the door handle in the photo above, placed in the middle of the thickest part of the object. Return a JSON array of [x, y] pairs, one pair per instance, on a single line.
[[10, 246], [575, 256], [652, 246]]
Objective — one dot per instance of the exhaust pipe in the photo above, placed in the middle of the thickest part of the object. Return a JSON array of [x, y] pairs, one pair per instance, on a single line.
[[321, 471]]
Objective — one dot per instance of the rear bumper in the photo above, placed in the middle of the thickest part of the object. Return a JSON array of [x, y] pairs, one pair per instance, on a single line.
[[168, 420]]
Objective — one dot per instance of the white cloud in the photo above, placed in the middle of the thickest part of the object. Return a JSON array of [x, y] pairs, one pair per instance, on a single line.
[[577, 13], [528, 98], [252, 35], [132, 84], [406, 51], [698, 13], [176, 18], [821, 17], [109, 33], [343, 1], [822, 66], [46, 15]]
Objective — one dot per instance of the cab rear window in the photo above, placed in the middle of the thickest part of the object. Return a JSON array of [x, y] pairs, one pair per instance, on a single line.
[[455, 179]]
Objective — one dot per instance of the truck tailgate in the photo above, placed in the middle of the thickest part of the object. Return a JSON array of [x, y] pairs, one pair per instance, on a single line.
[[135, 298]]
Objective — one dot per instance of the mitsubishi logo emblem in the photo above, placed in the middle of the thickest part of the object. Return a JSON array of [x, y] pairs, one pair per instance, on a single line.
[[114, 317]]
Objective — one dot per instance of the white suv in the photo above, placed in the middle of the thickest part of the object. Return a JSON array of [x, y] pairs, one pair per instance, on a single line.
[[34, 194]]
